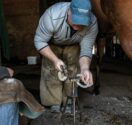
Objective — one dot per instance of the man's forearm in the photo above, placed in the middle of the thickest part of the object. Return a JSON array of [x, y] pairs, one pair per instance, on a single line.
[[84, 63], [48, 53]]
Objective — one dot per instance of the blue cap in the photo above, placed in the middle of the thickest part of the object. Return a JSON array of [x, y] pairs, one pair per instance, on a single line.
[[80, 12]]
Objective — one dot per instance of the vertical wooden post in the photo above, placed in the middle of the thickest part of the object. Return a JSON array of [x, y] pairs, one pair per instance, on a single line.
[[3, 33]]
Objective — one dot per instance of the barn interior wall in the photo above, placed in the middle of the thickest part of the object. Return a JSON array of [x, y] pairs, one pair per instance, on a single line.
[[22, 19]]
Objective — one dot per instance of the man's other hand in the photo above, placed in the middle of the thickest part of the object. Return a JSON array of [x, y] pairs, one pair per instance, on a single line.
[[86, 77]]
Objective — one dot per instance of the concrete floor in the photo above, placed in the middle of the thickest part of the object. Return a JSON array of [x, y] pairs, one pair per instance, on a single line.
[[113, 106]]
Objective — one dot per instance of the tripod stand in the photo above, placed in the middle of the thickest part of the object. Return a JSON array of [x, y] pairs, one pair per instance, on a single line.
[[75, 101]]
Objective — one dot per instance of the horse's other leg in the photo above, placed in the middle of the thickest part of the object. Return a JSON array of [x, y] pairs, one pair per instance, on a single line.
[[99, 56]]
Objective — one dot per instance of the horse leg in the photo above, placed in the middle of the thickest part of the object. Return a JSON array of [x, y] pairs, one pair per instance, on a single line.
[[99, 55]]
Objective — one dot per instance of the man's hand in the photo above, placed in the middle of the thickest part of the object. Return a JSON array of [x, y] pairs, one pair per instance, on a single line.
[[86, 77], [59, 64], [48, 53]]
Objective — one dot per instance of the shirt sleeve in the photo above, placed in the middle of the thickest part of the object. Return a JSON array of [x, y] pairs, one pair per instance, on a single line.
[[86, 45], [44, 31]]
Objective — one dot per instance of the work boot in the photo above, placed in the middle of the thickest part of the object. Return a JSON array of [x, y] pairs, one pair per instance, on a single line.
[[68, 109], [55, 108]]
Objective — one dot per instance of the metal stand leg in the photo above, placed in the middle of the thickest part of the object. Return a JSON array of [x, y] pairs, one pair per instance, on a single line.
[[75, 102], [74, 111]]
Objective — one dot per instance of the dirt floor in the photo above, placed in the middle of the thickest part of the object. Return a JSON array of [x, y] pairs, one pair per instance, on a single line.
[[113, 106]]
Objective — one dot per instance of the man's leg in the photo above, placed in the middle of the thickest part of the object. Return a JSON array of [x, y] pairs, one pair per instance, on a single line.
[[9, 114], [50, 86], [71, 57]]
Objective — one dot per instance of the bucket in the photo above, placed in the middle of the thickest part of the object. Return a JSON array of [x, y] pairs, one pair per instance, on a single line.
[[32, 60]]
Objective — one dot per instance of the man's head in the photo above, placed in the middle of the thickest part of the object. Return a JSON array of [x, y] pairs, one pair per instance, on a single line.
[[80, 12]]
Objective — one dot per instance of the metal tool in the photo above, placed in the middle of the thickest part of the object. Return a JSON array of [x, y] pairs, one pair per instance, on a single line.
[[75, 81], [63, 76], [74, 98]]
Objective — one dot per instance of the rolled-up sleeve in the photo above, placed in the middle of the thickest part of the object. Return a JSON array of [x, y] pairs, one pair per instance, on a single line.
[[86, 45], [44, 31]]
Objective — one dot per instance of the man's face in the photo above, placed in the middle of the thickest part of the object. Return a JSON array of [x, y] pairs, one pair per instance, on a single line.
[[74, 26], [77, 27]]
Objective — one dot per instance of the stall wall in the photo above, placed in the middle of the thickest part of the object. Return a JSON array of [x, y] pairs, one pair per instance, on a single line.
[[21, 18]]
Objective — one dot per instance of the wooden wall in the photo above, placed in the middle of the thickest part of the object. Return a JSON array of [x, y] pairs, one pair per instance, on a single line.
[[22, 18]]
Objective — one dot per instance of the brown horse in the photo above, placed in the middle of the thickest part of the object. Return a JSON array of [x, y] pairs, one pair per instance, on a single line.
[[113, 16], [119, 14]]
